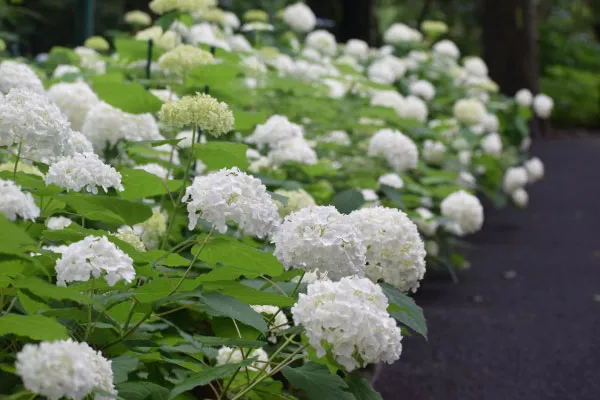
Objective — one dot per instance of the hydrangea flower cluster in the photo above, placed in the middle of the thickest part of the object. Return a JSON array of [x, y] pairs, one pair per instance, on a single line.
[[296, 201], [465, 211], [275, 130], [130, 236], [399, 150], [392, 180], [299, 17], [58, 223], [211, 116], [64, 368], [434, 152], [14, 202], [230, 195], [75, 100], [94, 256], [279, 321], [18, 75], [228, 355], [84, 170], [152, 230], [349, 318], [183, 58]]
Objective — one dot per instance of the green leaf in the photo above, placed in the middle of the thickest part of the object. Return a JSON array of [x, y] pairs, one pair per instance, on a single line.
[[213, 75], [111, 210], [217, 155], [122, 366], [361, 389], [221, 341], [208, 375], [129, 97], [394, 195], [348, 201], [13, 237], [161, 257], [317, 382], [405, 310], [32, 183], [140, 184], [36, 327], [134, 50], [47, 290], [247, 120], [31, 305], [220, 305], [229, 251], [248, 294], [142, 391]]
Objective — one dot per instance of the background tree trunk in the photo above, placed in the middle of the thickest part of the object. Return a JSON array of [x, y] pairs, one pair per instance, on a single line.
[[356, 22]]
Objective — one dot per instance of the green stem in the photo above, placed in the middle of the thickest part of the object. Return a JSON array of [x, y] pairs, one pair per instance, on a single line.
[[88, 328], [187, 271], [17, 162]]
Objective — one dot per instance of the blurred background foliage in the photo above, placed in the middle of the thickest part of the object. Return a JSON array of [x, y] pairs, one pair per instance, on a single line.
[[569, 33]]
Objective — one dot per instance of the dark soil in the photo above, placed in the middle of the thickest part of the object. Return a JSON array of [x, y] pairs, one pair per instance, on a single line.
[[524, 321]]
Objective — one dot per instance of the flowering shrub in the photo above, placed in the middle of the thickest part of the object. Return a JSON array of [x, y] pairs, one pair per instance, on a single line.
[[244, 214]]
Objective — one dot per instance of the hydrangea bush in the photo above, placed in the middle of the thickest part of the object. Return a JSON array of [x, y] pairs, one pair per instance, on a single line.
[[239, 207]]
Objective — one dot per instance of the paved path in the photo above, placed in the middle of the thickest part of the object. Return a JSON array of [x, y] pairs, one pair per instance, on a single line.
[[537, 335]]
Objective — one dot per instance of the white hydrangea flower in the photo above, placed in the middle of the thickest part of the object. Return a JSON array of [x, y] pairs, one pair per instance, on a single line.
[[58, 223], [62, 70], [152, 230], [14, 202], [107, 124], [464, 210], [398, 33], [155, 169], [129, 235], [369, 195], [275, 130], [299, 17], [260, 164], [91, 60], [351, 318], [296, 201], [296, 150], [388, 98], [397, 65], [535, 169], [466, 179], [464, 157], [423, 89], [469, 111], [279, 323], [525, 144], [414, 108], [524, 98], [381, 72], [239, 43], [446, 48], [340, 138], [543, 105], [426, 222], [337, 89], [252, 154], [515, 178], [75, 100], [230, 195], [475, 66], [357, 48], [228, 355], [64, 368], [94, 256], [399, 150], [434, 152], [520, 197], [395, 251], [491, 123], [392, 180], [208, 34], [18, 75], [322, 41], [492, 144], [231, 20], [320, 238], [311, 54], [83, 171]]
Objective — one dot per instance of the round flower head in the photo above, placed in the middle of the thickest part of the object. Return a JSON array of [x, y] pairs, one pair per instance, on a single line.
[[469, 111], [62, 70], [91, 60], [520, 198], [64, 368], [524, 98], [17, 75], [230, 195], [168, 41], [296, 201], [322, 41], [32, 120], [154, 32], [75, 100], [543, 105], [535, 169], [94, 256], [239, 43], [14, 202], [475, 66], [515, 178], [83, 171], [491, 123], [349, 318], [466, 179], [58, 223], [278, 323], [152, 230], [275, 130], [492, 144], [434, 152], [397, 65], [399, 150], [320, 238], [426, 223], [356, 48], [163, 6], [97, 43], [183, 58], [105, 124], [392, 180], [340, 138], [464, 210], [399, 33], [231, 20], [138, 18], [228, 355], [446, 48], [395, 251], [299, 17], [388, 98], [414, 108], [296, 150], [208, 114], [128, 235], [381, 72], [422, 89]]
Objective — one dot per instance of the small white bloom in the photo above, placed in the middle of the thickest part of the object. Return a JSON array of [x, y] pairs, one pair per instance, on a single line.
[[469, 111], [423, 89], [322, 41], [464, 210], [152, 230], [83, 171], [399, 33], [543, 105], [14, 202], [275, 130], [434, 152], [392, 180], [475, 66], [524, 98], [18, 75], [369, 195], [299, 17], [130, 236], [231, 20], [75, 100], [446, 48], [426, 223], [491, 123], [337, 89], [239, 43], [357, 48], [399, 150], [340, 138], [414, 108], [464, 157], [381, 72], [520, 198], [278, 323], [228, 355], [155, 169], [535, 169], [62, 70], [515, 178], [466, 179], [492, 144], [58, 223], [296, 150], [388, 98]]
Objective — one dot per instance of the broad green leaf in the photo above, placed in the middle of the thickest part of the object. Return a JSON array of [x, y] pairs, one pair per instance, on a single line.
[[134, 50], [47, 290], [111, 210], [61, 55], [361, 388], [207, 376], [129, 97], [32, 183], [161, 257], [405, 311], [140, 184], [122, 366], [247, 120], [348, 201], [217, 155], [394, 196], [36, 327], [247, 294], [142, 391], [30, 305], [213, 75], [220, 305], [111, 77], [13, 238], [317, 382], [221, 341]]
